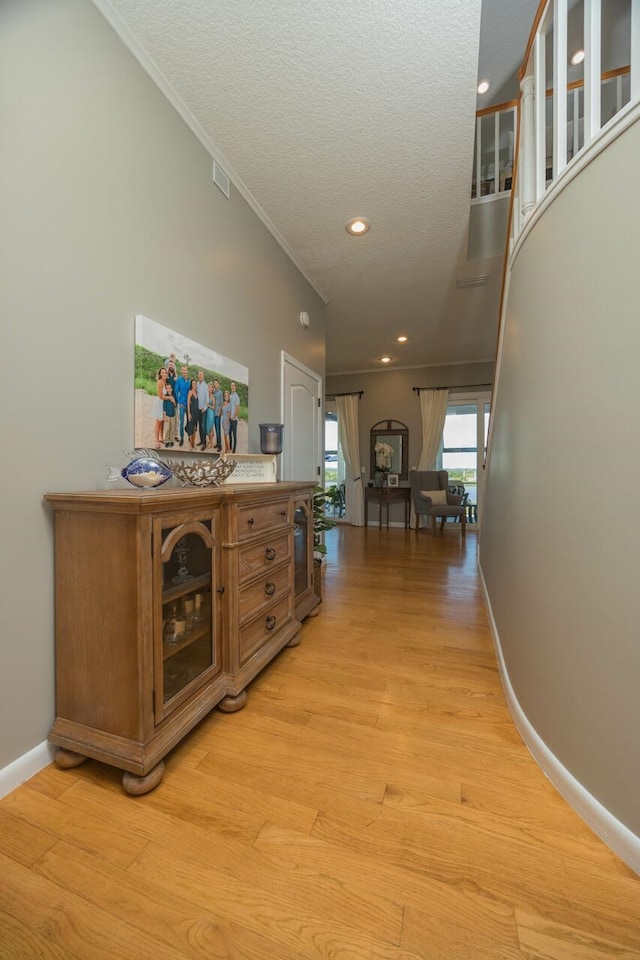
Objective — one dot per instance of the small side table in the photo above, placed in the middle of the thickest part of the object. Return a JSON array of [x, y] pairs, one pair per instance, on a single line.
[[384, 496]]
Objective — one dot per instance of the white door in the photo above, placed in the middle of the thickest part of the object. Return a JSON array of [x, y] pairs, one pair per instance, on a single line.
[[302, 419]]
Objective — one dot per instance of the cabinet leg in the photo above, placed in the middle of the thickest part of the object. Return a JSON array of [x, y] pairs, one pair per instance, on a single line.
[[66, 759], [136, 786], [294, 641], [231, 704]]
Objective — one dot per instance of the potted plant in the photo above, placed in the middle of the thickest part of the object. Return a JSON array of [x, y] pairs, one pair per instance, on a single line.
[[333, 498], [321, 523]]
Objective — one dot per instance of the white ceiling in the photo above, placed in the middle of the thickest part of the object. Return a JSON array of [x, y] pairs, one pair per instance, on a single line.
[[323, 111]]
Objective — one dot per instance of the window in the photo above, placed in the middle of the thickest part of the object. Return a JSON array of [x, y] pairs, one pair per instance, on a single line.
[[464, 442], [334, 467]]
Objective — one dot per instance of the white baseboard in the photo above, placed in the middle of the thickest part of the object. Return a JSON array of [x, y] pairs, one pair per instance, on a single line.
[[614, 833], [25, 767]]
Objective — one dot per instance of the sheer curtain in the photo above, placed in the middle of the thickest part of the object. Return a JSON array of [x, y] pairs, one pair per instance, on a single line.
[[347, 408], [433, 404]]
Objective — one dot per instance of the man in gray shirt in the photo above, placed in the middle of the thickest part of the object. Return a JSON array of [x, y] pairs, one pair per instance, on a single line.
[[202, 391], [218, 397]]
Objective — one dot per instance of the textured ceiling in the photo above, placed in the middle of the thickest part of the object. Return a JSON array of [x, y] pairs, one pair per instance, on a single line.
[[324, 111]]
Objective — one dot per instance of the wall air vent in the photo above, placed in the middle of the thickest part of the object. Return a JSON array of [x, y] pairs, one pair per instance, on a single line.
[[220, 179], [472, 282]]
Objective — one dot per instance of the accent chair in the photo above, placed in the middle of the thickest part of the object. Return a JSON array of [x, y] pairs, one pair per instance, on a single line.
[[431, 498]]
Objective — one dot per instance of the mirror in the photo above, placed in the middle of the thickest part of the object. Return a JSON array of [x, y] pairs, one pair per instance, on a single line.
[[394, 435]]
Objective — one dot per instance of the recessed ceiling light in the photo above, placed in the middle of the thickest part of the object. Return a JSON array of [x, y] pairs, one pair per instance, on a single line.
[[484, 86], [577, 58], [402, 339], [357, 227], [385, 359]]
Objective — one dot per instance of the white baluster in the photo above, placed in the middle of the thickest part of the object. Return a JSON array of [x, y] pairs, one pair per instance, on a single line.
[[559, 86], [635, 48], [478, 154], [618, 94], [592, 69], [539, 54], [496, 152], [575, 125]]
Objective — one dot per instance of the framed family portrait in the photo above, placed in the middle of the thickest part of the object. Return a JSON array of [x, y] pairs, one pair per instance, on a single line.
[[392, 480], [187, 395]]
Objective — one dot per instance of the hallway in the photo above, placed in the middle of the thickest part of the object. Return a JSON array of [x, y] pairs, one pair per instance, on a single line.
[[372, 800]]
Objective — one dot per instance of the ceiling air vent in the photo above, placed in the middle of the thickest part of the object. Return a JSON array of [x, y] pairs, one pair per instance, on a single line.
[[472, 282], [220, 179]]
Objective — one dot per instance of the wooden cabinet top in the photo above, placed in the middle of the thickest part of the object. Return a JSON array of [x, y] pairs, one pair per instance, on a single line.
[[161, 500]]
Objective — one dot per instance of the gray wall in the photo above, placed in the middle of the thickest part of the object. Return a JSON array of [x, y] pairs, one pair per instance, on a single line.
[[108, 210], [388, 395], [487, 229], [559, 542]]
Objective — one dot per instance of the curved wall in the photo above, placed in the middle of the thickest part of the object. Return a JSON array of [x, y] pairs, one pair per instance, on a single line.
[[560, 551]]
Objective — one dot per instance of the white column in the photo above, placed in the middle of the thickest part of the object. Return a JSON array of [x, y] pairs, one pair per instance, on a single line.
[[527, 176], [635, 48], [559, 86], [592, 69]]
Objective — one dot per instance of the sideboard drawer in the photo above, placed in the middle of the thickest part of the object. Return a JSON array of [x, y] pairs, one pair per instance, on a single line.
[[263, 627], [261, 517], [266, 590], [256, 558]]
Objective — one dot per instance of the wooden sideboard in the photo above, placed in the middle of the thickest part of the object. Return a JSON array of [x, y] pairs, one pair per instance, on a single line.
[[168, 603]]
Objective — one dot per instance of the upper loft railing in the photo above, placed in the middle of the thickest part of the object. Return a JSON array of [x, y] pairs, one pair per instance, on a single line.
[[555, 127], [558, 119]]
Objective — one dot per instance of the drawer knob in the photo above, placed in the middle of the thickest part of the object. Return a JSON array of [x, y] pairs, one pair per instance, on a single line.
[[270, 623], [283, 513], [270, 553], [250, 521], [269, 588], [220, 590]]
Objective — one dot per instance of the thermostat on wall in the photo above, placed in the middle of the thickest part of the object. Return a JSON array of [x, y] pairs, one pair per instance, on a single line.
[[304, 319]]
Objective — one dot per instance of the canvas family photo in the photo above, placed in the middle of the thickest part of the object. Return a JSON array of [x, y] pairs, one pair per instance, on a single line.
[[187, 395]]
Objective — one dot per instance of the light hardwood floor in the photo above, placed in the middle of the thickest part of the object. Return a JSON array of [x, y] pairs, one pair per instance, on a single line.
[[373, 801]]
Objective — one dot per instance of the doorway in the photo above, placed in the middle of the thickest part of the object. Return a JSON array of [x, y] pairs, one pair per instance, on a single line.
[[302, 418]]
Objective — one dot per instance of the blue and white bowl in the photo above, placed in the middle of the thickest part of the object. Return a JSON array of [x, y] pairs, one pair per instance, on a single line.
[[143, 472]]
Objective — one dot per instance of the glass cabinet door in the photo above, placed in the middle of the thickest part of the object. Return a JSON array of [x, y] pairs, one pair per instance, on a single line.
[[187, 620], [301, 549]]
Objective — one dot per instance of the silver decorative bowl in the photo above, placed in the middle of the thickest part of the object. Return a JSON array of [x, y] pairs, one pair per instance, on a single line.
[[202, 473]]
